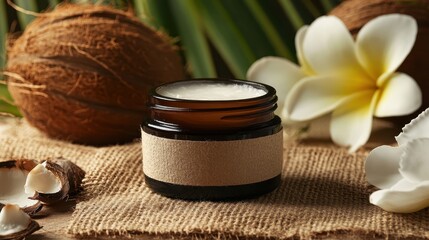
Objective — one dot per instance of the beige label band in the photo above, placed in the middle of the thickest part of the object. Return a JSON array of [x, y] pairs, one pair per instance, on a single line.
[[212, 163]]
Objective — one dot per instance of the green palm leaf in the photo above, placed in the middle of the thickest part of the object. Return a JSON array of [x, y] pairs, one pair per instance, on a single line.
[[226, 37], [160, 16], [192, 37], [53, 3], [23, 18], [292, 13], [269, 29], [3, 34]]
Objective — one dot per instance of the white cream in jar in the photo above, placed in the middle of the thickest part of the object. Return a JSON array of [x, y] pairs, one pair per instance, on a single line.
[[210, 91]]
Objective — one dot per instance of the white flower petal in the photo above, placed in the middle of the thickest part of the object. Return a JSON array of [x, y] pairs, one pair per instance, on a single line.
[[404, 198], [277, 72], [315, 96], [414, 164], [400, 96], [417, 128], [384, 43], [382, 166], [352, 121], [329, 49], [299, 41], [404, 185]]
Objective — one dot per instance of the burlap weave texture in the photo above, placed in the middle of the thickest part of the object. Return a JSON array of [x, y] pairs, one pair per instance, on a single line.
[[323, 194]]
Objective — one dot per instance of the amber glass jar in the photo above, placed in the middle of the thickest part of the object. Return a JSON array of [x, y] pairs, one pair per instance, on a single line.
[[212, 148]]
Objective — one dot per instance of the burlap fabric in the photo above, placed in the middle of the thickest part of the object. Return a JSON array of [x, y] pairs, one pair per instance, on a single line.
[[323, 195]]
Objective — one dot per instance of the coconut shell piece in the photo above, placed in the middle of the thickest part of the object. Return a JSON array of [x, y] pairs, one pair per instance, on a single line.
[[82, 73], [54, 180], [16, 224], [13, 174]]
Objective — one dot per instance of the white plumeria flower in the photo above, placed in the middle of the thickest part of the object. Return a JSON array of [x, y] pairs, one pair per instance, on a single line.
[[402, 172], [281, 73], [353, 80]]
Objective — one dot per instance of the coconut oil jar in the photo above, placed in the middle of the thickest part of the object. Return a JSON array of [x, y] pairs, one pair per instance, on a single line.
[[212, 139]]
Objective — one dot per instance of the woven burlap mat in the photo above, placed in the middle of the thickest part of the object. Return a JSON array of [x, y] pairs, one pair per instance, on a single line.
[[323, 195]]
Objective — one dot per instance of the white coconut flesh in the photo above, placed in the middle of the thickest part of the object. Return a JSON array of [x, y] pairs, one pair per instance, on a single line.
[[12, 188], [13, 220], [41, 180]]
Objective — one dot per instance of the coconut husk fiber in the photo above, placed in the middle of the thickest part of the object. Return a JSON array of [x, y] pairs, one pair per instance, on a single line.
[[79, 72], [323, 195]]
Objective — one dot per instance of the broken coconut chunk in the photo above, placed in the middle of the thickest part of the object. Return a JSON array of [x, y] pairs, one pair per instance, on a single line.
[[53, 181], [42, 180], [13, 175], [15, 224], [28, 183]]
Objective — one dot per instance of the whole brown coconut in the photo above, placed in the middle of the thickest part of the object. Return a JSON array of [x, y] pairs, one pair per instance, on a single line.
[[356, 13], [82, 73]]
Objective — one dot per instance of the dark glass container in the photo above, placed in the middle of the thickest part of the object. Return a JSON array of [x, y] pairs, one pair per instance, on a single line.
[[244, 134]]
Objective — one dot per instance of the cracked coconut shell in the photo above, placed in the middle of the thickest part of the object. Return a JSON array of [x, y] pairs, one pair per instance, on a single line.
[[54, 180], [13, 175], [82, 73], [28, 183], [15, 224]]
